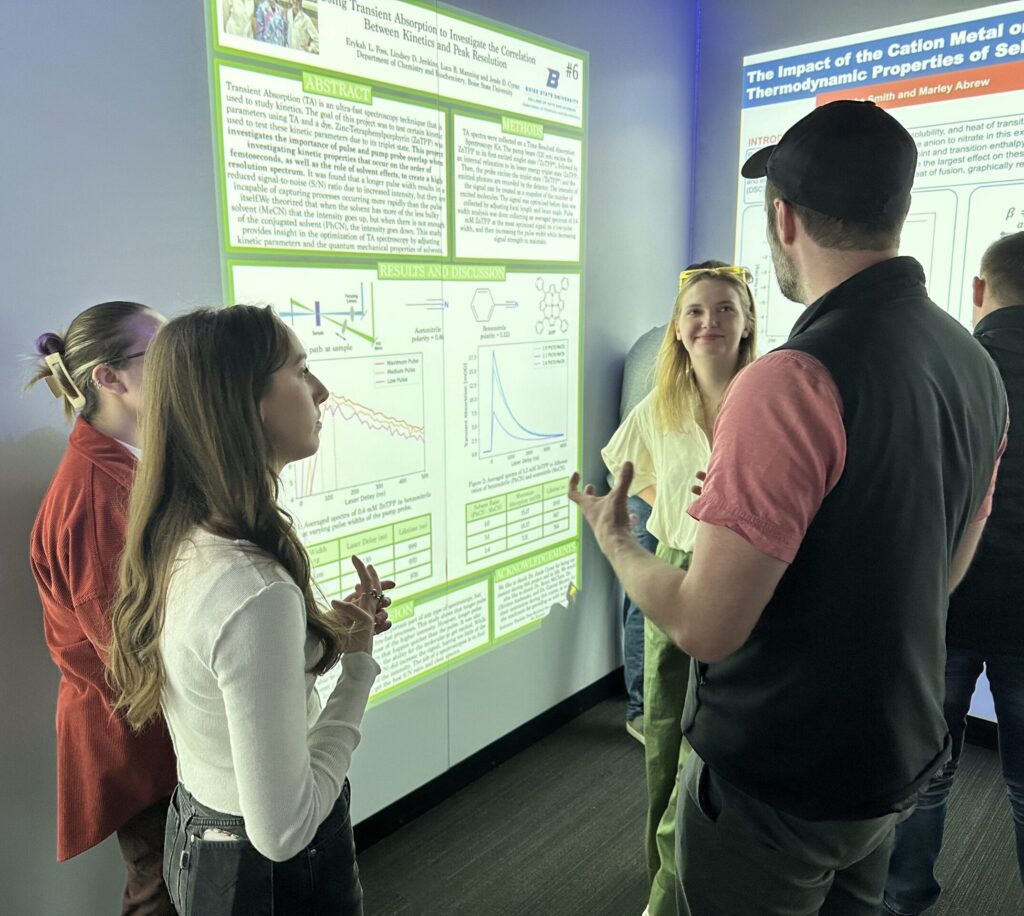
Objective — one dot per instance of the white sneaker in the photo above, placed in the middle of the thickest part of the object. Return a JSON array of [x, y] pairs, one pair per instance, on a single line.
[[635, 727]]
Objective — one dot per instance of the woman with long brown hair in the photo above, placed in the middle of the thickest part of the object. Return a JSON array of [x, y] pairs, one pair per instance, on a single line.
[[711, 336], [110, 779], [218, 626]]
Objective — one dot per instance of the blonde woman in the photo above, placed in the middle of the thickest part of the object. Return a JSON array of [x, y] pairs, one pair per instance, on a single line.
[[217, 625], [668, 436], [109, 778]]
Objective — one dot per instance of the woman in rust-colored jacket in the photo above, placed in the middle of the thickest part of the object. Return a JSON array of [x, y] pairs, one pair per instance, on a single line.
[[109, 779]]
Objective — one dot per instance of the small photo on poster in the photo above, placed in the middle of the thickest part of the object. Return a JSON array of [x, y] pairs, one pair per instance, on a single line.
[[290, 24]]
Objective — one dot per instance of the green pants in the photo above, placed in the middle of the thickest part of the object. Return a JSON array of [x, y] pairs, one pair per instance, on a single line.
[[666, 672]]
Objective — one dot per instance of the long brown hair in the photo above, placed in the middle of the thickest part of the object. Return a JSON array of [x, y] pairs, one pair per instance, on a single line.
[[677, 403], [99, 335], [206, 462]]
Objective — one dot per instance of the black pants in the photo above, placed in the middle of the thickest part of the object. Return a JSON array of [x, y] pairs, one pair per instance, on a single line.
[[207, 877]]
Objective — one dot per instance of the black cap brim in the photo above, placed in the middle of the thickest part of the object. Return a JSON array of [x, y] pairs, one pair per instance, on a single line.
[[757, 165]]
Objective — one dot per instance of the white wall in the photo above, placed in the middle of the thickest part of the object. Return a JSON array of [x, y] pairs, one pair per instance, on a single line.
[[109, 193]]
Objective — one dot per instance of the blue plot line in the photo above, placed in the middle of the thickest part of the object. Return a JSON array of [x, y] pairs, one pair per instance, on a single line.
[[532, 438], [532, 435]]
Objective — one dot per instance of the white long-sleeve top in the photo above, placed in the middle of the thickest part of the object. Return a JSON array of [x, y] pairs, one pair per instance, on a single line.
[[239, 699]]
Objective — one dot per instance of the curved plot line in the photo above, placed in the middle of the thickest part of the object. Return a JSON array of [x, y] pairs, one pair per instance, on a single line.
[[531, 434]]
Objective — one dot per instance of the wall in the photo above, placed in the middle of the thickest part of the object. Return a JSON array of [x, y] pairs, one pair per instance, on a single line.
[[109, 194]]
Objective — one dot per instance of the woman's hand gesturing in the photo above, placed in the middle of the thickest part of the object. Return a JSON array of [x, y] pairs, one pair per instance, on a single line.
[[365, 609]]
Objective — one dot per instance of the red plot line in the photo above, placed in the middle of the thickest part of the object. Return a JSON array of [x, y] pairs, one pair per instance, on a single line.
[[347, 409], [340, 406]]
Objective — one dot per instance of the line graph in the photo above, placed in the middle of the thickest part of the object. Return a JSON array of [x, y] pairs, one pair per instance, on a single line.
[[522, 396], [373, 424]]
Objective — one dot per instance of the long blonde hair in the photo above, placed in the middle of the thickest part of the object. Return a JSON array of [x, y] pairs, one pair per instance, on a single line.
[[677, 402], [206, 461]]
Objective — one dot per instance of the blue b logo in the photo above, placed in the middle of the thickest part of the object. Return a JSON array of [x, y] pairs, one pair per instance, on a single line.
[[552, 79]]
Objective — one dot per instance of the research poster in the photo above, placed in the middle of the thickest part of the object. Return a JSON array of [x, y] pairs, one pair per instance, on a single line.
[[956, 83], [403, 183]]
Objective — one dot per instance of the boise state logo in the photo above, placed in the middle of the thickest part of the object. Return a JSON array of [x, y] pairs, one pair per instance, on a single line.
[[552, 78]]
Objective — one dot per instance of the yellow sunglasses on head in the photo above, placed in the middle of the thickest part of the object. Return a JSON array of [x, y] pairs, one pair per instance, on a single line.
[[733, 270]]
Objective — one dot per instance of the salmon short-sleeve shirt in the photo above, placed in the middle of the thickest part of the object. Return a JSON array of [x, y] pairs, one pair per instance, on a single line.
[[779, 449]]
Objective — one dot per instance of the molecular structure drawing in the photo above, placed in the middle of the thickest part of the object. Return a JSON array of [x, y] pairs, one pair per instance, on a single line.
[[483, 304], [552, 306]]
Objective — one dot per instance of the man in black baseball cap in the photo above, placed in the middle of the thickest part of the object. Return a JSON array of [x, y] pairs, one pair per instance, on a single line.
[[848, 168], [850, 480], [849, 160]]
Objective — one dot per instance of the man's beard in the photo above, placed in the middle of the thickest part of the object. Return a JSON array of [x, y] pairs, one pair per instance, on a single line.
[[785, 271]]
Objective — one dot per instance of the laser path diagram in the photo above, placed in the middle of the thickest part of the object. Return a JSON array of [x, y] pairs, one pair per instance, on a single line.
[[372, 425], [357, 317], [522, 396]]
